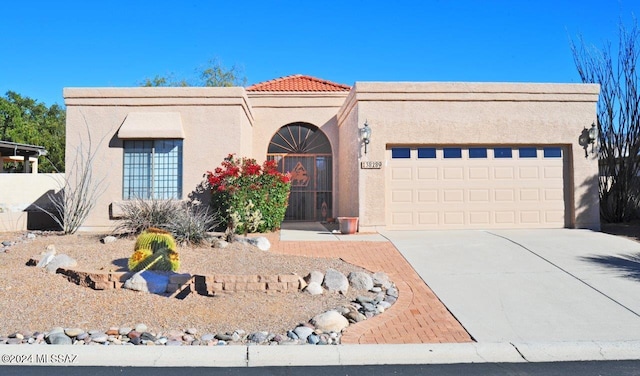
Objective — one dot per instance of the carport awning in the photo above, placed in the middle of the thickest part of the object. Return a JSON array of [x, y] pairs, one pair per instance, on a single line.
[[155, 125]]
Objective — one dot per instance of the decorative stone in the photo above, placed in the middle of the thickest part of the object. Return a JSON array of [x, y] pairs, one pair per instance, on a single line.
[[315, 276], [60, 261], [73, 332], [313, 339], [224, 337], [148, 281], [141, 328], [392, 291], [259, 242], [258, 337], [7, 243], [192, 331], [303, 332], [46, 258], [146, 336], [124, 330], [330, 321], [314, 288], [108, 239], [207, 337], [99, 337], [334, 281], [360, 281], [291, 334], [220, 244], [355, 316], [59, 338], [381, 279]]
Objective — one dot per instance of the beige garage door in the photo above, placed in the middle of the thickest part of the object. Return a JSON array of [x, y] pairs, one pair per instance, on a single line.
[[475, 187]]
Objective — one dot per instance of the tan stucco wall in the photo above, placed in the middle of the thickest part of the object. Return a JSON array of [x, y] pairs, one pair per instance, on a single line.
[[21, 193], [216, 122], [468, 113]]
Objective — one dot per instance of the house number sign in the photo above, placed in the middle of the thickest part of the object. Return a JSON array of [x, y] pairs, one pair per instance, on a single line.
[[370, 165]]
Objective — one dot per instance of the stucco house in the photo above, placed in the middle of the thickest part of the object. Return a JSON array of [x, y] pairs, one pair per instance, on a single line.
[[439, 155]]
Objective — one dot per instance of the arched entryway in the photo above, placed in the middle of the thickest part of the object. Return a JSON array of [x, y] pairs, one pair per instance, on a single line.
[[304, 151]]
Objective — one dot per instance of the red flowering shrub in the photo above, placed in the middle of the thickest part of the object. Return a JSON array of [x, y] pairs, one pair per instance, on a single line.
[[237, 181]]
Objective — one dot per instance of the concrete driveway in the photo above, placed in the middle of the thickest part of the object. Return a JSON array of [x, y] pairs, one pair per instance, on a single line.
[[531, 285]]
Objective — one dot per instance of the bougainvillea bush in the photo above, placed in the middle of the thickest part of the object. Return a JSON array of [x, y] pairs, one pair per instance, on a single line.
[[255, 195]]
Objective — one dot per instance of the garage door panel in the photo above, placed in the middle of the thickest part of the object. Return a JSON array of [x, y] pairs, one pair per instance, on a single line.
[[479, 173], [428, 196], [453, 173], [454, 218], [489, 192], [401, 196], [427, 173], [427, 218], [401, 173]]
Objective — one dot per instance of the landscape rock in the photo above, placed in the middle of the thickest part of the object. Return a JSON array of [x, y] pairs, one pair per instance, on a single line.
[[108, 239], [360, 281], [46, 258], [220, 244], [259, 242], [381, 279], [334, 281], [303, 332], [148, 281], [315, 276], [58, 338], [330, 321], [314, 288], [31, 236], [60, 261]]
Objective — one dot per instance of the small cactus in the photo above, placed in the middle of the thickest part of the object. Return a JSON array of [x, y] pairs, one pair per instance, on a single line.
[[155, 249]]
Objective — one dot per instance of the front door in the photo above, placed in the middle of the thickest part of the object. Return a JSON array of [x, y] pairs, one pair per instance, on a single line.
[[303, 151]]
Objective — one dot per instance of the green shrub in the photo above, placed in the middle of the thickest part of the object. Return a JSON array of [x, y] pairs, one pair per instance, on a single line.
[[191, 224], [257, 196], [186, 223], [139, 215]]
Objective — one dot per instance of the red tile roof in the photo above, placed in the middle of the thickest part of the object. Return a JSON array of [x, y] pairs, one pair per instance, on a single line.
[[298, 82]]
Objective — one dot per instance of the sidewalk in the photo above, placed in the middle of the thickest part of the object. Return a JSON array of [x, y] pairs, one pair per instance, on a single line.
[[417, 317]]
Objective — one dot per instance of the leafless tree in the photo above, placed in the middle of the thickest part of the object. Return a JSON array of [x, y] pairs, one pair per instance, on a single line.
[[618, 121]]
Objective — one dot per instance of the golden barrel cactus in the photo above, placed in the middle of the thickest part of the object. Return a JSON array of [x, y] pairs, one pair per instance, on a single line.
[[155, 249]]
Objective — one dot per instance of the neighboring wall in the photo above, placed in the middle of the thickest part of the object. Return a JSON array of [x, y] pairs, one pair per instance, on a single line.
[[20, 195], [216, 122], [467, 114]]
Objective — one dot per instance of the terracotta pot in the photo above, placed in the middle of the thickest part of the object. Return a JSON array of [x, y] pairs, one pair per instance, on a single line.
[[348, 225]]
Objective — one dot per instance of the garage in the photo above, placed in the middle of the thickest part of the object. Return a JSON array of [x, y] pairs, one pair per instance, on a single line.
[[435, 187]]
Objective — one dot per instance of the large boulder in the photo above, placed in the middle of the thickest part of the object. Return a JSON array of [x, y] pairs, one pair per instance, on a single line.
[[314, 288], [360, 281], [60, 261], [334, 281], [259, 242], [330, 321]]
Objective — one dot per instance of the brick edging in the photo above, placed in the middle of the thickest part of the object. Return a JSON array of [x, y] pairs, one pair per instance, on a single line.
[[206, 285]]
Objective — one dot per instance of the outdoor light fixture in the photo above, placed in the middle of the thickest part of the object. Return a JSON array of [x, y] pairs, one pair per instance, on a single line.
[[593, 136], [589, 137], [365, 133]]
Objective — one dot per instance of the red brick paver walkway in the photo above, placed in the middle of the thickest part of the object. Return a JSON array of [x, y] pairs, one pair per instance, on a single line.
[[418, 316]]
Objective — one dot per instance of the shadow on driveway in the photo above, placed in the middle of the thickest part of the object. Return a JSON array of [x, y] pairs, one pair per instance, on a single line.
[[628, 265]]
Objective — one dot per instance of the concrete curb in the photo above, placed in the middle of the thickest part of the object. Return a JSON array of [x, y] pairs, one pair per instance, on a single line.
[[265, 356]]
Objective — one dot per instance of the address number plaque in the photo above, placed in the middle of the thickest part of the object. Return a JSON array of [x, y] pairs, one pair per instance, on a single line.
[[370, 165]]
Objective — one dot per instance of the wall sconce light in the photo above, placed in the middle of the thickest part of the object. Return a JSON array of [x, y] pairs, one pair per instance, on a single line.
[[588, 137], [593, 136], [365, 134]]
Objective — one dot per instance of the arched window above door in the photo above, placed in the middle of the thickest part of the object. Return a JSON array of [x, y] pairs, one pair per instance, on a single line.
[[299, 138]]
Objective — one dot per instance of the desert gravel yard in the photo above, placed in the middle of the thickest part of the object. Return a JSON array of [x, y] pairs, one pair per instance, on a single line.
[[33, 300]]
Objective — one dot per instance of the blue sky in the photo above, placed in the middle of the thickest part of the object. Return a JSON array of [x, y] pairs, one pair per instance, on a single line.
[[48, 45]]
